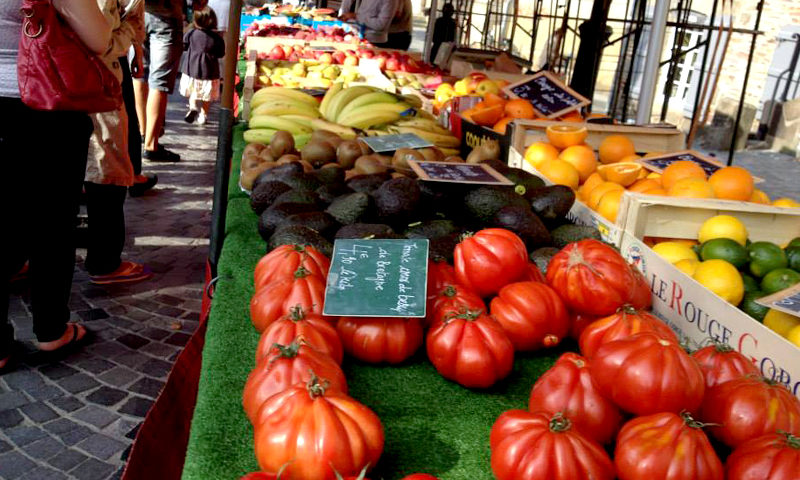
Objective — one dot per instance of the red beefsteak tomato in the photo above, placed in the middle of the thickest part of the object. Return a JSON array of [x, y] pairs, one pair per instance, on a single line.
[[313, 329], [542, 446], [454, 299], [775, 456], [665, 446], [279, 297], [720, 363], [578, 323], [471, 349], [532, 274], [645, 374], [532, 314], [748, 407], [568, 388], [440, 275], [378, 340], [283, 261], [625, 322], [641, 295], [592, 278], [284, 367], [316, 431], [489, 260]]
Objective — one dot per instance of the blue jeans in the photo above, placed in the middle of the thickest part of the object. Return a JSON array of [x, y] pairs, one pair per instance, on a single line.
[[163, 46]]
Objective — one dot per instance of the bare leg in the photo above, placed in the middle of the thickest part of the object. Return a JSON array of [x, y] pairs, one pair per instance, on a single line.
[[156, 111], [205, 108], [140, 90]]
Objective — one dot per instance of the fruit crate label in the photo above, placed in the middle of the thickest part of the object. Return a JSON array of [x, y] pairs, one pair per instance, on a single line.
[[787, 300], [458, 173], [390, 143], [659, 163], [377, 278], [548, 95]]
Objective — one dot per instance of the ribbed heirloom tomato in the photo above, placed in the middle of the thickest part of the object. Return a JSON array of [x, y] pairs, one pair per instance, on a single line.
[[775, 456], [440, 275], [454, 299], [315, 431], [470, 349], [284, 260], [542, 446], [625, 322], [279, 297], [645, 374], [578, 323], [490, 259], [284, 367], [665, 446], [532, 274], [312, 328], [377, 340], [532, 314], [720, 363], [568, 388]]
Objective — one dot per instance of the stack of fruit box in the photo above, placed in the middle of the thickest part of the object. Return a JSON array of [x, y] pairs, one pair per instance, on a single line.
[[690, 308]]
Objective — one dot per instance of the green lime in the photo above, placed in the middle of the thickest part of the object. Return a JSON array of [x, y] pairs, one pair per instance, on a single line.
[[779, 279], [795, 242], [750, 307], [793, 256], [725, 249], [765, 257], [750, 283]]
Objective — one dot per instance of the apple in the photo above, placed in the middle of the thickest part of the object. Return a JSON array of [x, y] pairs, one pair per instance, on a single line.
[[293, 57], [392, 64], [486, 86], [366, 53], [277, 53], [350, 60], [381, 62], [338, 57], [325, 58]]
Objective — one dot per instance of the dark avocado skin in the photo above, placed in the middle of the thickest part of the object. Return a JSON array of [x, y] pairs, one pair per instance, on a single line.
[[551, 203], [482, 203], [352, 208], [299, 235], [265, 194], [525, 223], [566, 234], [366, 230], [272, 217]]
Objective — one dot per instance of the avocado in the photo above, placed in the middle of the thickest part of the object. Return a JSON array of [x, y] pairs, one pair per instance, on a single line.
[[431, 229], [522, 221], [397, 199], [302, 181], [329, 175], [524, 182], [299, 196], [299, 235], [278, 173], [499, 166], [328, 193], [442, 247], [318, 221], [274, 216], [265, 193], [351, 208], [442, 197], [566, 234], [551, 203], [541, 257], [367, 183], [482, 203], [366, 230]]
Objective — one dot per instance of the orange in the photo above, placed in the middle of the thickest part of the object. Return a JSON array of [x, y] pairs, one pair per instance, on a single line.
[[614, 148], [487, 115], [643, 173], [630, 158], [653, 154], [594, 197], [571, 117], [467, 114], [519, 108], [494, 99], [594, 180], [502, 124], [692, 188], [732, 183], [539, 152], [679, 170], [759, 197], [582, 158], [643, 185], [560, 173], [656, 191], [563, 136], [622, 173], [609, 205], [655, 176]]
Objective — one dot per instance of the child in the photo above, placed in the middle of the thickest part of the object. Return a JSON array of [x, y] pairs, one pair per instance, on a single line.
[[200, 65]]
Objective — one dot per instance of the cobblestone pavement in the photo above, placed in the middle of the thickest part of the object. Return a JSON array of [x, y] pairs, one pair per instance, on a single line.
[[76, 419]]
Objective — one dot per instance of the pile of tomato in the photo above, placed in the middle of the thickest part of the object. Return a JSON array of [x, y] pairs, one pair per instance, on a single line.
[[634, 389]]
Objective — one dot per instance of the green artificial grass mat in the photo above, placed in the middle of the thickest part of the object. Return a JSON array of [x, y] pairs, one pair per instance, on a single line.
[[431, 425]]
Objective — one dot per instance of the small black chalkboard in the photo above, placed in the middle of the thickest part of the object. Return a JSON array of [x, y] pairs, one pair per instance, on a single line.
[[787, 301], [548, 95], [390, 143], [377, 278], [323, 48], [659, 163], [458, 172]]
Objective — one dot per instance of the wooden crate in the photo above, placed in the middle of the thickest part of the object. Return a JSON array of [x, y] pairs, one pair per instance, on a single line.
[[265, 44], [645, 139], [249, 83], [644, 215]]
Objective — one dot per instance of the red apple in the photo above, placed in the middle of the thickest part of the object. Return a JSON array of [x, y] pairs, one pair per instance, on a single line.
[[351, 60], [392, 64], [366, 53], [277, 53], [338, 57], [381, 62], [325, 58]]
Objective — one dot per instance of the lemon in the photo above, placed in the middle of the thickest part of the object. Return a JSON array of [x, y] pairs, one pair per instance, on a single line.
[[781, 323], [674, 252], [721, 278], [786, 203], [722, 226], [794, 335], [687, 265]]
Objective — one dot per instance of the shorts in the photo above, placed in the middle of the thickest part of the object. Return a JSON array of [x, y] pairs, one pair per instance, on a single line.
[[163, 47]]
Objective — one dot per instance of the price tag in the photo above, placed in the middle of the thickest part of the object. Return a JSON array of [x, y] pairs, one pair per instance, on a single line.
[[659, 163], [390, 143], [548, 95], [787, 301], [458, 172]]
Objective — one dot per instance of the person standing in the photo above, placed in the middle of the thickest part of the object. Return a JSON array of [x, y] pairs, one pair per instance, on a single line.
[[200, 65], [401, 27], [375, 15], [42, 184], [444, 30]]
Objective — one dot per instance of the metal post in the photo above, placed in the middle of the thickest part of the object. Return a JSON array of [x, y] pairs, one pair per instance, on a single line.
[[654, 48], [429, 33], [702, 75]]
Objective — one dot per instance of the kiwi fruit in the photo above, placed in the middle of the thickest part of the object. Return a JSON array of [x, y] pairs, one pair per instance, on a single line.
[[432, 154], [347, 153], [266, 156], [454, 159], [250, 161], [282, 142], [318, 153], [249, 176], [326, 136], [251, 148], [403, 155], [288, 158], [370, 164]]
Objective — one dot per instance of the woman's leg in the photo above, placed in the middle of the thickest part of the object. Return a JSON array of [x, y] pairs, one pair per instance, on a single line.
[[104, 205]]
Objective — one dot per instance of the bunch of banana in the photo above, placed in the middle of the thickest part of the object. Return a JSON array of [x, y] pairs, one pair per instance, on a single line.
[[361, 107], [427, 129], [278, 108]]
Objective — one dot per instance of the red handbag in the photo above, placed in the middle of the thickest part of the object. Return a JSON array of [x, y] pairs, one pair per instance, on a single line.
[[56, 71]]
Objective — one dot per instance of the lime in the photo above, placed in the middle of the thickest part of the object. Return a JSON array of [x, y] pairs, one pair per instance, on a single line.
[[795, 242], [725, 249], [750, 283], [674, 251], [765, 257], [779, 279], [750, 307], [722, 226], [793, 256], [721, 278], [781, 323]]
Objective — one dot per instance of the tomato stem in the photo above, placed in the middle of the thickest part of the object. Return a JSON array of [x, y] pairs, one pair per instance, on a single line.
[[301, 272], [296, 313], [315, 387], [559, 423], [464, 314], [449, 291], [575, 257], [691, 422], [792, 441], [299, 248]]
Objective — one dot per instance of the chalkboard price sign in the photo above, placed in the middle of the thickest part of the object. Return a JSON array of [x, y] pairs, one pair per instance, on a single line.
[[458, 172], [377, 278], [787, 300], [548, 95], [390, 143], [659, 163]]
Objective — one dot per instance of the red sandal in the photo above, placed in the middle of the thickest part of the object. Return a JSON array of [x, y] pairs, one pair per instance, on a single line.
[[127, 272]]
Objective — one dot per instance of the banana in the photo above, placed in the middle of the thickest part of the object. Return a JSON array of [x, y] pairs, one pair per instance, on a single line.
[[301, 140], [344, 132], [301, 119], [284, 109], [278, 123], [368, 99], [450, 152], [286, 93], [412, 100], [372, 118], [268, 101], [424, 124], [366, 111], [259, 135], [440, 140], [342, 98], [326, 100]]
